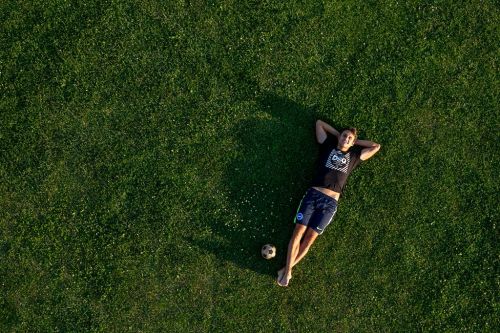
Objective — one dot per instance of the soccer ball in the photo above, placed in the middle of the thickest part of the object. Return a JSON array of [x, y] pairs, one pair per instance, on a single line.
[[268, 251]]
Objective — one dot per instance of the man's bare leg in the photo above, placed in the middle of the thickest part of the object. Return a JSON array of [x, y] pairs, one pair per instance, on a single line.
[[309, 238], [293, 250]]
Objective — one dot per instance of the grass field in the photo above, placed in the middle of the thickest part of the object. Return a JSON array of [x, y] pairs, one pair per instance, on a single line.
[[149, 149]]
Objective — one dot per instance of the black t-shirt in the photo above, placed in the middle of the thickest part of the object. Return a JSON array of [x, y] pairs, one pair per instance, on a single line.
[[334, 166]]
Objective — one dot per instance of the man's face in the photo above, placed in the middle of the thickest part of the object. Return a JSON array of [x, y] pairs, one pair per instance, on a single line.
[[346, 140]]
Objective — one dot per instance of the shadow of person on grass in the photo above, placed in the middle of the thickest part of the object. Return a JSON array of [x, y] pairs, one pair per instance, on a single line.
[[276, 155]]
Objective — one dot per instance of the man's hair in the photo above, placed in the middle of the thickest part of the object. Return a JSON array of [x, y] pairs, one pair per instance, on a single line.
[[352, 130]]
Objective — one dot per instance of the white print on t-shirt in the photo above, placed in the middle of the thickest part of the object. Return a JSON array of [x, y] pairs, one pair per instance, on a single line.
[[338, 161]]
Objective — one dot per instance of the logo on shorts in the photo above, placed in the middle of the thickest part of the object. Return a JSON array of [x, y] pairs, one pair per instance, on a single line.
[[300, 216]]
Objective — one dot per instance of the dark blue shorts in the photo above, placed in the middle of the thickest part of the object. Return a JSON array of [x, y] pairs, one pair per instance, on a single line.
[[316, 210]]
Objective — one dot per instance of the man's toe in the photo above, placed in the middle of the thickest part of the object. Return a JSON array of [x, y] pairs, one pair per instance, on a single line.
[[278, 281]]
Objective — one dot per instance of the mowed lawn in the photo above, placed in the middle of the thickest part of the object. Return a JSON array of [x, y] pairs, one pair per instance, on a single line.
[[148, 149]]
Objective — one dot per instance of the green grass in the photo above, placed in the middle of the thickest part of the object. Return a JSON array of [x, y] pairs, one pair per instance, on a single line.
[[149, 149]]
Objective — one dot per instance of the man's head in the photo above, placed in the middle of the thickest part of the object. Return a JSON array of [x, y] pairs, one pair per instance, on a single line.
[[347, 138]]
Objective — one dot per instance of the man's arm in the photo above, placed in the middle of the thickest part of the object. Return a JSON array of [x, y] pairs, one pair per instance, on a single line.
[[322, 129], [371, 148]]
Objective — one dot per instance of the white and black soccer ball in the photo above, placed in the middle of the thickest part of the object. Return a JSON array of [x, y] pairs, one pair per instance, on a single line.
[[268, 251]]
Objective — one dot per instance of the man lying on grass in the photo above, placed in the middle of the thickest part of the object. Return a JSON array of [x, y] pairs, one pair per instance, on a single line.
[[339, 154]]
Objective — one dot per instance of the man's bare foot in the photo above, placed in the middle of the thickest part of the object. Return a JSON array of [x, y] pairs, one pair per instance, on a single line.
[[283, 280], [280, 273]]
